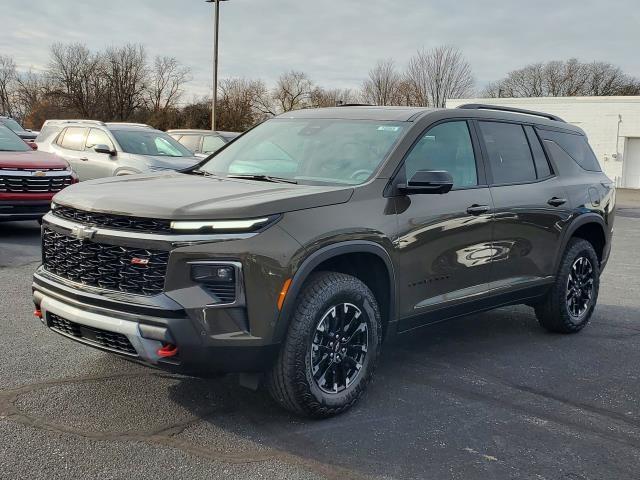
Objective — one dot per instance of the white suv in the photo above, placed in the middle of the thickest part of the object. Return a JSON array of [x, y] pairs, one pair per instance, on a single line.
[[96, 149]]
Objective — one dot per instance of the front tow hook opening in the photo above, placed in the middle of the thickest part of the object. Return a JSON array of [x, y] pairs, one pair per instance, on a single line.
[[168, 350]]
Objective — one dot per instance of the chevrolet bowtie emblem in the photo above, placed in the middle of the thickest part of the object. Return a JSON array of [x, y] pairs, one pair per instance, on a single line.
[[39, 173], [83, 233]]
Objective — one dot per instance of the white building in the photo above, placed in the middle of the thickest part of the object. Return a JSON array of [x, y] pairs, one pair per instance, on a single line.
[[611, 123]]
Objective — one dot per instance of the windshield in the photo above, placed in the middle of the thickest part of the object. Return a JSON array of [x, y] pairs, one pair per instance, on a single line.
[[10, 142], [309, 150], [13, 125], [149, 142]]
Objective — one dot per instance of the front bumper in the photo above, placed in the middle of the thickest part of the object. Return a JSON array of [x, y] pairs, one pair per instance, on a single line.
[[147, 328], [23, 209], [212, 337]]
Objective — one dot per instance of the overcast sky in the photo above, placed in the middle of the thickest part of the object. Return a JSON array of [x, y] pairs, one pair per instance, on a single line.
[[335, 41]]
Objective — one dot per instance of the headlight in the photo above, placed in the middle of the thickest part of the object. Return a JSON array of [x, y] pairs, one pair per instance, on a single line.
[[249, 225]]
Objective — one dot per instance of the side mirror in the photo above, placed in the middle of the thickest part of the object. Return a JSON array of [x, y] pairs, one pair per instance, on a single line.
[[33, 145], [428, 182], [104, 149]]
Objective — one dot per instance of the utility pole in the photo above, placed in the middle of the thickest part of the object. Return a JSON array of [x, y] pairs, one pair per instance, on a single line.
[[216, 26]]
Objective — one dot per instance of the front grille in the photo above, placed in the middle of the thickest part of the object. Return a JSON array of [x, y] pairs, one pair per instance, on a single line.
[[111, 340], [103, 265], [31, 184], [116, 222]]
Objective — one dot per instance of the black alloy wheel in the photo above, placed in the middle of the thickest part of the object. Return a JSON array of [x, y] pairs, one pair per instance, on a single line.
[[339, 348], [580, 287]]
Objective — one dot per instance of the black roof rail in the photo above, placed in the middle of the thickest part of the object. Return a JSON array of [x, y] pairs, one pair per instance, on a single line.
[[500, 108], [339, 104]]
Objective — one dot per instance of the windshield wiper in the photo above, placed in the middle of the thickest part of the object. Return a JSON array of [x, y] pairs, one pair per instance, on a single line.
[[197, 171], [264, 178]]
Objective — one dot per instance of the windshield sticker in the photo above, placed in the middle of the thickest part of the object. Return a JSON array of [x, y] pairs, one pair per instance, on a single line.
[[387, 128]]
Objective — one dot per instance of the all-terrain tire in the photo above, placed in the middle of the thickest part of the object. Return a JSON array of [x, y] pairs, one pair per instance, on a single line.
[[553, 312], [291, 380]]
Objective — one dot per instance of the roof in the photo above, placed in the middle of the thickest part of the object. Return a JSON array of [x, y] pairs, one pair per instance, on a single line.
[[397, 114], [89, 123], [195, 130], [127, 126]]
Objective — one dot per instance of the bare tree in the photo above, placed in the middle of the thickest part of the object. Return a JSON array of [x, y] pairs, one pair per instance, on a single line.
[[125, 71], [167, 79], [321, 97], [239, 103], [382, 87], [292, 92], [7, 84], [566, 78], [439, 74], [37, 99], [76, 74], [195, 114]]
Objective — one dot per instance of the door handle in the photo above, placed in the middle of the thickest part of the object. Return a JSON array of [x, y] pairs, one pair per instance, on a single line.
[[477, 209], [84, 159], [556, 202]]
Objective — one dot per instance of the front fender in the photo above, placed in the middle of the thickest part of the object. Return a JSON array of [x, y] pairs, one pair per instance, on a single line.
[[321, 255]]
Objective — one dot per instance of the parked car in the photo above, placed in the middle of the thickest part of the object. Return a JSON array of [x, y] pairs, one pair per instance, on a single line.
[[27, 135], [96, 149], [296, 250], [28, 179], [203, 142]]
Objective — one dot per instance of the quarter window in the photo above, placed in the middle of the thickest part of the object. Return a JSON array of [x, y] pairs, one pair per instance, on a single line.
[[73, 138], [509, 153], [446, 147], [576, 147]]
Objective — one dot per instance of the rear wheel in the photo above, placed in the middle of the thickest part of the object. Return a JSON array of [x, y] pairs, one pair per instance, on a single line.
[[331, 349], [568, 306]]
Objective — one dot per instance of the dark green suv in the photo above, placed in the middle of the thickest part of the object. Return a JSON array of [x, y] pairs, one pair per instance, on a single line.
[[290, 255]]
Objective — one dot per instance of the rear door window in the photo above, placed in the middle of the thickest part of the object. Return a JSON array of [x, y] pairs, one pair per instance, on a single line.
[[576, 146], [72, 138], [509, 154]]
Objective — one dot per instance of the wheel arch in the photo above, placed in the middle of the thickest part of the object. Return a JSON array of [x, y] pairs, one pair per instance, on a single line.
[[590, 227], [337, 254]]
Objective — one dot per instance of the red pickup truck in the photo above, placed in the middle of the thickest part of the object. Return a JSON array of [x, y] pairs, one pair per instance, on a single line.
[[28, 179]]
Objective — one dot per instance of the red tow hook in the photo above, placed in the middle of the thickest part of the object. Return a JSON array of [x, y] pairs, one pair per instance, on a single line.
[[38, 313], [167, 350]]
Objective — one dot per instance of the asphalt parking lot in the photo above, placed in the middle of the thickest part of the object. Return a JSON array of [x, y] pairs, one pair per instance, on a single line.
[[491, 396]]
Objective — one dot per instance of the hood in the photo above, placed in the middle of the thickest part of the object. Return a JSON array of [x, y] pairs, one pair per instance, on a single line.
[[192, 197], [31, 159], [160, 162]]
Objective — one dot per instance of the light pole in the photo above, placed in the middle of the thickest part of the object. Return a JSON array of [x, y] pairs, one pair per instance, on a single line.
[[216, 25]]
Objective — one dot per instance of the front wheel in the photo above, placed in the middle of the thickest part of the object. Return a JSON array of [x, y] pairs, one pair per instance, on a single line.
[[568, 306], [331, 348]]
